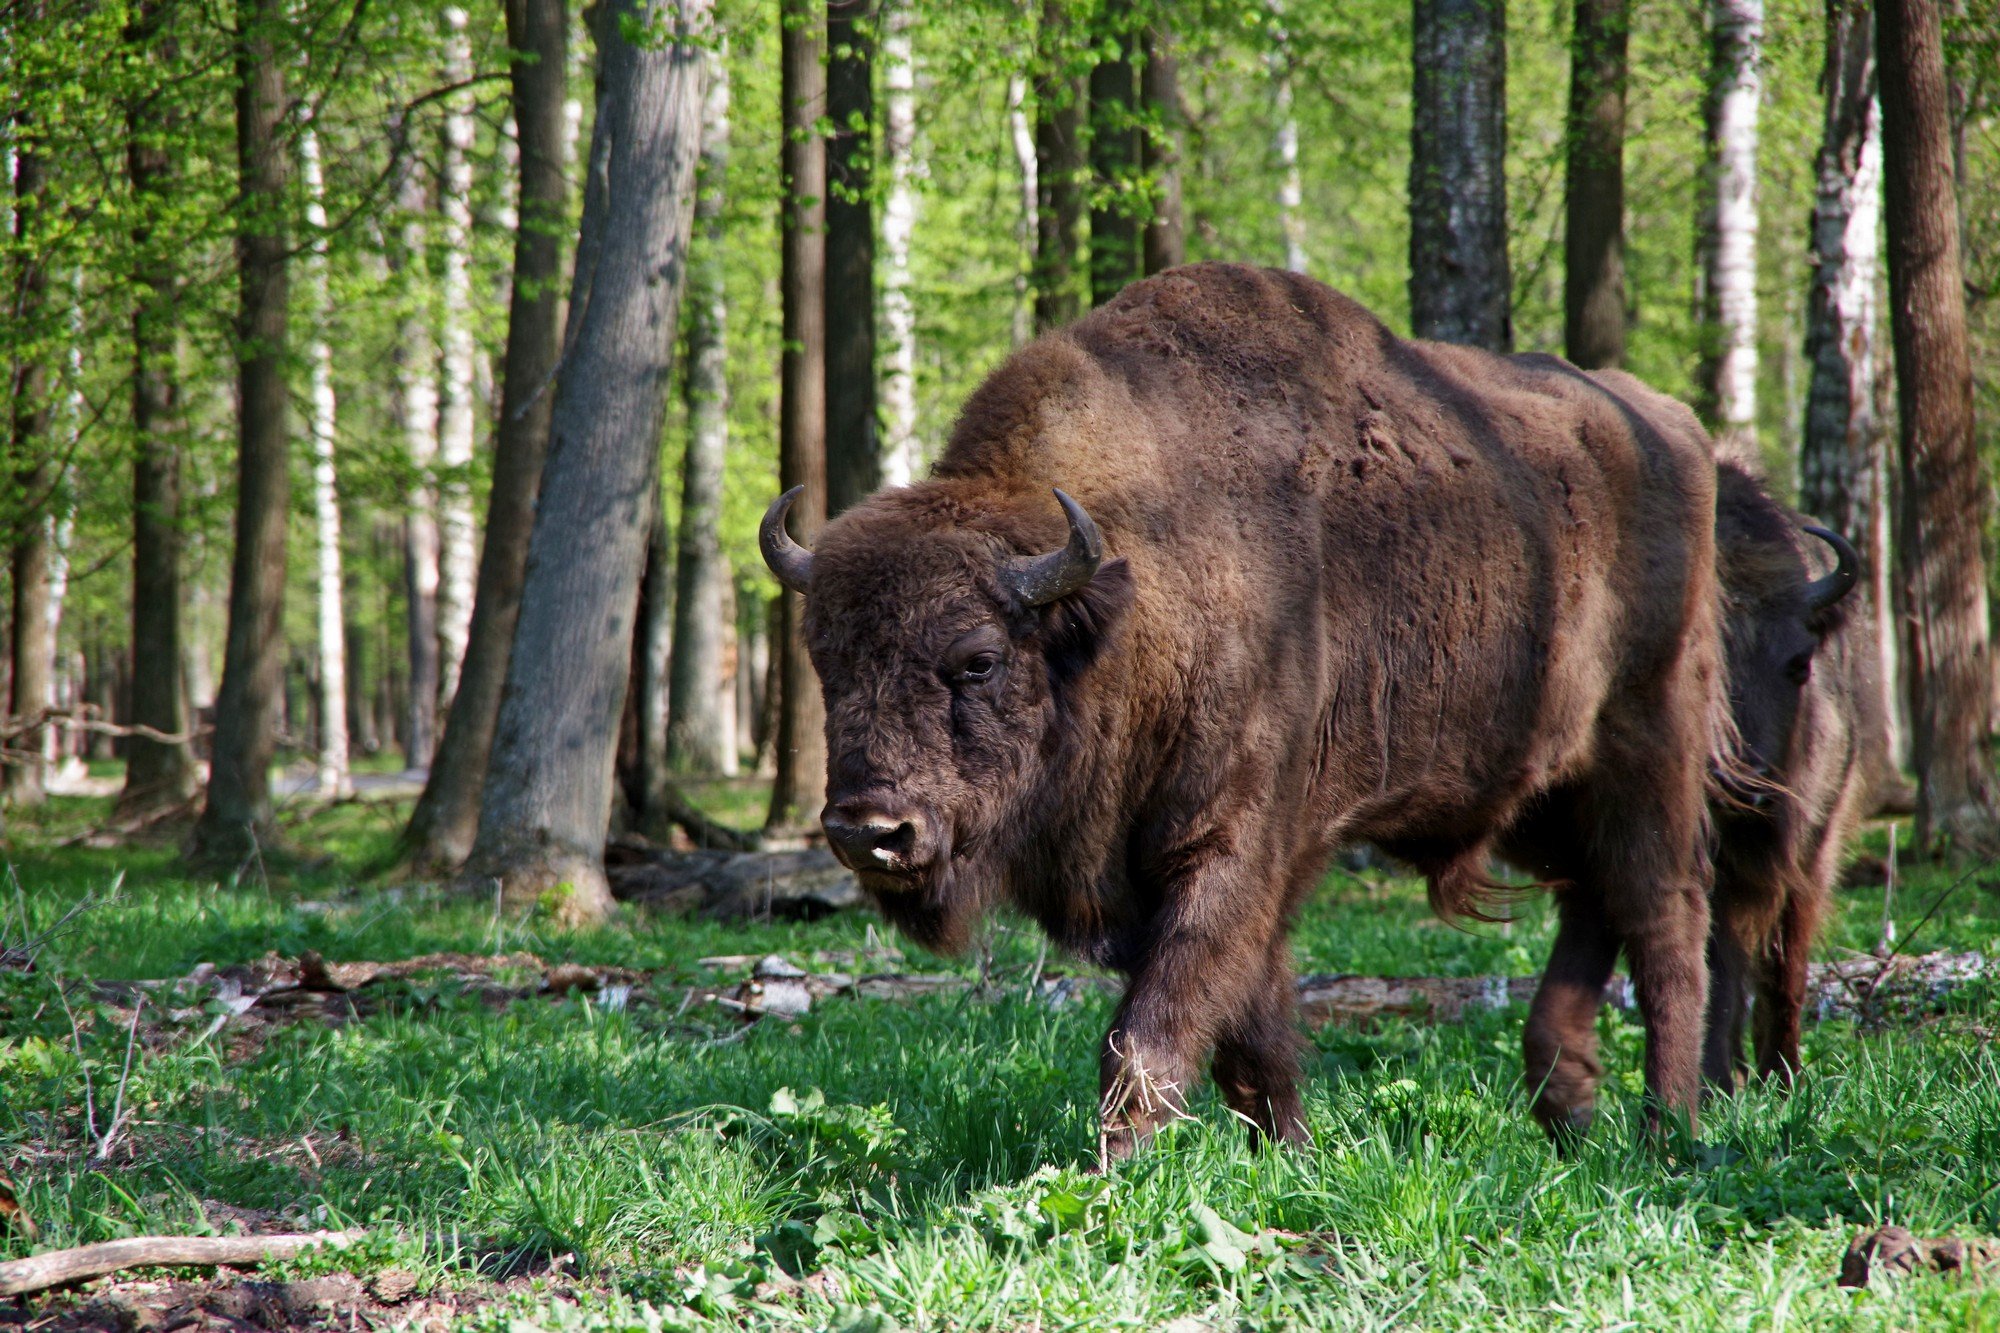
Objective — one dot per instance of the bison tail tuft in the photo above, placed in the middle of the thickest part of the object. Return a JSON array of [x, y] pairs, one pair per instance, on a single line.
[[1461, 889]]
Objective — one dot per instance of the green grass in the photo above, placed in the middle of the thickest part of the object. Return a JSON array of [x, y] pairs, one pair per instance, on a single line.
[[925, 1162]]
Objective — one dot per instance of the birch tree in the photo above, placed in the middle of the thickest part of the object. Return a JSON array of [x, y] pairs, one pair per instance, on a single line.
[[417, 411], [1285, 141], [331, 768], [33, 484], [900, 453], [1726, 260], [1021, 131], [458, 409]]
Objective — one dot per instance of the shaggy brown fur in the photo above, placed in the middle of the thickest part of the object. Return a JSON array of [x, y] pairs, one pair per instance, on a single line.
[[1796, 686], [1360, 588]]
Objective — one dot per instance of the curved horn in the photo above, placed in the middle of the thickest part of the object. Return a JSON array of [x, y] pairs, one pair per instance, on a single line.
[[1825, 592], [1040, 579], [791, 562]]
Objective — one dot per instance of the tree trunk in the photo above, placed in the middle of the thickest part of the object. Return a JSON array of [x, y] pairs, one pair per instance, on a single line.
[[1118, 206], [417, 410], [34, 477], [1061, 169], [331, 774], [158, 774], [853, 457], [652, 653], [801, 778], [901, 457], [458, 412], [1594, 188], [1944, 491], [1022, 131], [1165, 243], [238, 812], [442, 827], [700, 694], [1726, 267], [1843, 461], [1460, 288], [1285, 142], [548, 789]]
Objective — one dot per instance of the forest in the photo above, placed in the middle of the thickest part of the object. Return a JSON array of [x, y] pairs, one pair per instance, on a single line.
[[394, 393]]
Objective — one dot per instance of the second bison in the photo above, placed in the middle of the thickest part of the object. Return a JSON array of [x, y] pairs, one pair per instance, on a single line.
[[1309, 583]]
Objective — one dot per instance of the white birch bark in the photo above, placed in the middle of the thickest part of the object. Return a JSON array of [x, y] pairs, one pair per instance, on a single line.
[[331, 763], [901, 455], [1285, 143], [458, 556], [417, 409], [1736, 32], [1025, 228]]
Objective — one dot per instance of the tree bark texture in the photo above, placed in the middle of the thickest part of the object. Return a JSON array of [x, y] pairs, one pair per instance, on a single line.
[[32, 639], [458, 411], [1285, 142], [332, 766], [1843, 456], [417, 413], [238, 812], [1061, 168], [446, 819], [1118, 202], [701, 693], [797, 790], [1165, 243], [1726, 263], [158, 774], [1594, 188], [548, 787], [901, 456], [1944, 497], [1460, 288], [853, 445]]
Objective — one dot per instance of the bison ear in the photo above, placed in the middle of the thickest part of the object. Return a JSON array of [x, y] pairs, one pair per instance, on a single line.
[[1075, 628]]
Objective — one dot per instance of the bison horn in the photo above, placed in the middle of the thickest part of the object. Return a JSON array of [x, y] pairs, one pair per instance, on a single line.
[[791, 562], [1823, 593], [1040, 579]]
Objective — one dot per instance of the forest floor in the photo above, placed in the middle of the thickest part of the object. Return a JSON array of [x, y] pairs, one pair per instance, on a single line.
[[635, 1155]]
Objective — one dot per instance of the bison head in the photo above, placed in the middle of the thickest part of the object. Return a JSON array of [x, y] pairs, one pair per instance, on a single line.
[[949, 634], [1777, 624]]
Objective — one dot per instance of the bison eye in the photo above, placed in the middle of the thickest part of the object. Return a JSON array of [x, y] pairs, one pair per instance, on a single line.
[[1799, 669], [979, 668]]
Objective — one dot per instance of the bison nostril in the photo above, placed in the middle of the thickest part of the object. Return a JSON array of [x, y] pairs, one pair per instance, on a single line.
[[871, 839]]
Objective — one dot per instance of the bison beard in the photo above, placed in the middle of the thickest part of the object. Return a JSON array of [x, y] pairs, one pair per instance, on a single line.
[[1798, 680], [1357, 588]]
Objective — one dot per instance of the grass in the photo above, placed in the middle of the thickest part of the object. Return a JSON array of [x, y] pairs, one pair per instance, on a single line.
[[923, 1163]]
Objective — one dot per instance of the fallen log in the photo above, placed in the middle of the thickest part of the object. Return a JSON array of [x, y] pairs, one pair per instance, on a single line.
[[800, 885], [1893, 1251], [39, 1272]]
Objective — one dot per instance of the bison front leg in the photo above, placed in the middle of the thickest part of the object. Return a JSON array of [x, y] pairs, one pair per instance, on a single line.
[[1781, 992], [1256, 1058], [1197, 976], [1560, 1040], [1666, 943]]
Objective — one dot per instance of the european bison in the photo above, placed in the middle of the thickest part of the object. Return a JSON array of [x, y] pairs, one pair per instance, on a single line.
[[1316, 584], [1796, 687]]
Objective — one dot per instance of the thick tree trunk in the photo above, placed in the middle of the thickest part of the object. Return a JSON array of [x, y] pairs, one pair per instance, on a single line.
[[853, 449], [548, 789], [158, 774], [238, 811], [1022, 131], [442, 827], [1285, 142], [34, 484], [1944, 488], [797, 790], [1594, 188], [1726, 263], [331, 768], [900, 454], [1165, 242], [1061, 169], [1460, 288], [701, 731], [1843, 456], [417, 412], [652, 655], [458, 413], [1118, 206]]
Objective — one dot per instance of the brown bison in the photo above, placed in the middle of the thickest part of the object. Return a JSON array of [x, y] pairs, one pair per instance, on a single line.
[[1797, 685], [1307, 583]]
